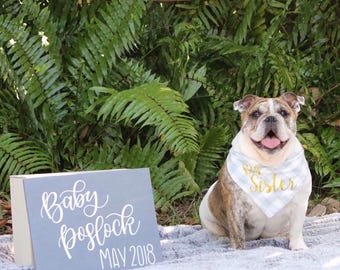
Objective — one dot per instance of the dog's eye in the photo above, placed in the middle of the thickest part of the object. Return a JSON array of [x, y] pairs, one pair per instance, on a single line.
[[283, 113], [255, 114]]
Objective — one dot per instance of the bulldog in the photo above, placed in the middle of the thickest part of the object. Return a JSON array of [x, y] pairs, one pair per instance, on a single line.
[[263, 187]]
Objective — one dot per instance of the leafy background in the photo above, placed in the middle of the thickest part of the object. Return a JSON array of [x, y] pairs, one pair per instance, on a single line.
[[103, 84]]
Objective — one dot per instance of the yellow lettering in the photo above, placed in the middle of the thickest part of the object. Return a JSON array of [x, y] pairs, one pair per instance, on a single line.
[[257, 170], [246, 169], [282, 185], [268, 186], [255, 186], [261, 187], [274, 182], [258, 184]]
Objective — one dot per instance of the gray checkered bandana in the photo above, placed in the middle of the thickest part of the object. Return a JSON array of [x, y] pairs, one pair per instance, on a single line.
[[270, 188]]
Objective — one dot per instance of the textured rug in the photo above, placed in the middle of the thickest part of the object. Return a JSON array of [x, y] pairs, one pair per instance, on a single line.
[[190, 247]]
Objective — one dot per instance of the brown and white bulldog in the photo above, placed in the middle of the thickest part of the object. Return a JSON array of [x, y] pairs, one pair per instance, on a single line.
[[264, 185]]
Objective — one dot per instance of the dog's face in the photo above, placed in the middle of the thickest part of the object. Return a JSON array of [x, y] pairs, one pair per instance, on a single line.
[[269, 122]]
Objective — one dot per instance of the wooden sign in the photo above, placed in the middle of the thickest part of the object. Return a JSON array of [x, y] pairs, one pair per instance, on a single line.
[[85, 220]]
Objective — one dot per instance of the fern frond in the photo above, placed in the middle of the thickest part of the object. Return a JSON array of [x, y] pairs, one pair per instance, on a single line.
[[203, 109], [212, 14], [283, 68], [9, 114], [275, 22], [223, 46], [322, 166], [152, 148], [212, 146], [330, 137], [203, 166], [18, 156], [78, 151], [194, 80], [108, 36], [5, 68], [36, 73], [168, 181], [10, 7], [155, 105], [138, 73], [41, 21], [129, 73], [242, 29]]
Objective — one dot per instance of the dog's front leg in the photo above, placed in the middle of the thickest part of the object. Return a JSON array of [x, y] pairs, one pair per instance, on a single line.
[[234, 217], [235, 227], [231, 210], [297, 217], [296, 241]]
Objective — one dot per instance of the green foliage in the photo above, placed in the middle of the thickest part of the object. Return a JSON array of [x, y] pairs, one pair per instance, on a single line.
[[203, 166], [105, 37], [31, 69], [155, 105], [137, 83], [169, 182], [19, 156]]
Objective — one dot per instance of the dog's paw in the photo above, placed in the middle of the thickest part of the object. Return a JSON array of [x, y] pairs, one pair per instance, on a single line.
[[298, 244]]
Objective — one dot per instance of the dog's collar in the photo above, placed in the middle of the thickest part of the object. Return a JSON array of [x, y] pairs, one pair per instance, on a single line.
[[270, 188]]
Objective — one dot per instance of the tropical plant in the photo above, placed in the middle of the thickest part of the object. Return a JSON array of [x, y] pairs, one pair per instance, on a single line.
[[104, 84], [257, 47]]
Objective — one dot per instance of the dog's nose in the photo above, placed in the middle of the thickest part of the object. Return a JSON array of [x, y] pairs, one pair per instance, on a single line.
[[270, 119]]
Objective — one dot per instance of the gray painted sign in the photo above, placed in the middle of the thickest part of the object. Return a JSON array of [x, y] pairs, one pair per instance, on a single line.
[[93, 220]]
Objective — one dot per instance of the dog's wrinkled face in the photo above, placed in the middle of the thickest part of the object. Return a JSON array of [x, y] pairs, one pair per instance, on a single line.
[[269, 122]]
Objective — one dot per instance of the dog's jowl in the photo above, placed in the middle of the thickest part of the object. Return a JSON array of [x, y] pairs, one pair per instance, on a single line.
[[264, 185]]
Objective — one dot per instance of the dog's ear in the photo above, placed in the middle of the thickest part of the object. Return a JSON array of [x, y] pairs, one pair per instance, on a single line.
[[243, 104], [293, 100]]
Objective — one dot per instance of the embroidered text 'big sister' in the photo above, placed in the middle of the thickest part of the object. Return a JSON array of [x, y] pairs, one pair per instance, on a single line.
[[270, 188]]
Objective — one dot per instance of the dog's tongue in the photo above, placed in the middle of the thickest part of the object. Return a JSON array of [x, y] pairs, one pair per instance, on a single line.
[[270, 142]]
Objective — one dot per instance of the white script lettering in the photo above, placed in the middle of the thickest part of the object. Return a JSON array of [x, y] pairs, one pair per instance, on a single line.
[[53, 205], [113, 224]]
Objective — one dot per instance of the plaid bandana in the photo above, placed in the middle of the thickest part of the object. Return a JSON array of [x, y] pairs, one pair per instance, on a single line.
[[270, 188]]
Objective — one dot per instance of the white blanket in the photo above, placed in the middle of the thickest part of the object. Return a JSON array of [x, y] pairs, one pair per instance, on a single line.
[[190, 247]]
